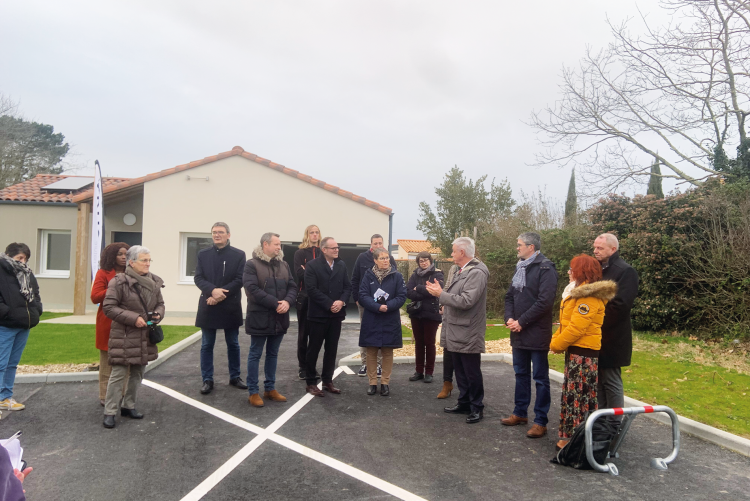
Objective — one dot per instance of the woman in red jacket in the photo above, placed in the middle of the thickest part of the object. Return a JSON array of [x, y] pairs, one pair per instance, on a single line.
[[113, 261]]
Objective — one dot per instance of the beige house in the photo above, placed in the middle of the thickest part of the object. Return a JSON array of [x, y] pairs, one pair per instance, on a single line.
[[41, 213], [408, 249], [171, 213]]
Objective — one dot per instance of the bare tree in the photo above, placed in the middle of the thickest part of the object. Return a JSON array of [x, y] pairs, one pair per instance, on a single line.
[[677, 94]]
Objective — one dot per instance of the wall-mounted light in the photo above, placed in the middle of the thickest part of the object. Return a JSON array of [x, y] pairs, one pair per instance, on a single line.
[[129, 219], [201, 178]]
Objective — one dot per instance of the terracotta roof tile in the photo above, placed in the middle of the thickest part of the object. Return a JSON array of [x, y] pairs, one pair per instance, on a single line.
[[417, 246], [31, 190], [237, 150]]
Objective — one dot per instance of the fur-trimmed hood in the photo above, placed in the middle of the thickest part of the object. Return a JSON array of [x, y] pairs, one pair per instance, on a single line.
[[259, 254], [603, 289]]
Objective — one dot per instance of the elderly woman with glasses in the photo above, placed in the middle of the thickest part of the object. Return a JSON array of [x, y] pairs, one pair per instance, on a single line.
[[133, 298], [381, 293], [20, 309]]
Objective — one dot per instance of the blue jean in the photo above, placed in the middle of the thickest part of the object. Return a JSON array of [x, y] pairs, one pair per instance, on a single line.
[[207, 353], [272, 344], [522, 363], [12, 342]]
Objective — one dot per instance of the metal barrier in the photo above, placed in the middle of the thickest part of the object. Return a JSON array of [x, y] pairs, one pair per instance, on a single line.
[[630, 413]]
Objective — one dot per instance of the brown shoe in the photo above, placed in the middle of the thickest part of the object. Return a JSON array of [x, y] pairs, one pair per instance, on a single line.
[[446, 391], [330, 388], [514, 420], [314, 391], [560, 444], [255, 400], [274, 395], [537, 431]]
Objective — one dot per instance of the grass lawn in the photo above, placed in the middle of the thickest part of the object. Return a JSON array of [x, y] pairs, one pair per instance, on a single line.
[[47, 315], [74, 343], [713, 395]]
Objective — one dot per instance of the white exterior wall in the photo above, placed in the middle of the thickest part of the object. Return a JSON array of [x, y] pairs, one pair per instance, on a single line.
[[252, 199]]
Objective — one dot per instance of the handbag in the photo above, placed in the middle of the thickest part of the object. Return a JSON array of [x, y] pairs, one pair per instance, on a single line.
[[414, 307], [155, 332]]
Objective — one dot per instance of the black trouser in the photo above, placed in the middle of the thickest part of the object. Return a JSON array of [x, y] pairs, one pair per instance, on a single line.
[[303, 334], [469, 380], [328, 332], [447, 365]]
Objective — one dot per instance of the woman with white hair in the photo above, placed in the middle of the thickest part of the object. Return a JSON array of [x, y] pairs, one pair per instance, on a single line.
[[133, 302]]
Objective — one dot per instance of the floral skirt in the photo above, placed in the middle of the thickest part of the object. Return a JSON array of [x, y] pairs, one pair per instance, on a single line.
[[578, 392]]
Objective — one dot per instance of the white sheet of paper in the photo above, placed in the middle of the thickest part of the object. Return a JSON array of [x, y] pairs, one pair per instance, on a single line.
[[15, 451]]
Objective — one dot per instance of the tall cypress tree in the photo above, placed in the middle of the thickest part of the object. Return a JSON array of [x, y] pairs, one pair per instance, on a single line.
[[571, 203], [654, 182]]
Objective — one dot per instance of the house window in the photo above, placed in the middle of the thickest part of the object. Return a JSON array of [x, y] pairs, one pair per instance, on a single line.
[[54, 256], [192, 244]]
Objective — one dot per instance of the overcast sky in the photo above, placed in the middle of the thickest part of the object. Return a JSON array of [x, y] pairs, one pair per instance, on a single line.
[[380, 98]]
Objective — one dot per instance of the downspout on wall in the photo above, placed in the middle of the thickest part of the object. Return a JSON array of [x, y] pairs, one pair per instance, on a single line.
[[390, 232]]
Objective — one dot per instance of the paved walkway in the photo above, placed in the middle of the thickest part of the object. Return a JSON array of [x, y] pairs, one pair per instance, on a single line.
[[349, 446]]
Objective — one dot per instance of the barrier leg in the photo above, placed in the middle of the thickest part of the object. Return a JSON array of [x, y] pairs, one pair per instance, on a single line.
[[621, 432]]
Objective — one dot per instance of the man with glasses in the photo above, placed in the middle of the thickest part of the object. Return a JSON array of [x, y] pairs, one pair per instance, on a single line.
[[365, 262], [528, 314], [218, 274], [328, 289]]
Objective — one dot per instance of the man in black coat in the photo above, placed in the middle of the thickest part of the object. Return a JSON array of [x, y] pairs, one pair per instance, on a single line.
[[271, 291], [528, 313], [617, 331], [328, 288], [218, 274], [363, 263]]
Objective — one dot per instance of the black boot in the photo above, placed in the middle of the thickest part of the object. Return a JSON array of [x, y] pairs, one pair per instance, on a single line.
[[131, 413], [238, 383], [417, 376], [385, 390], [208, 385], [109, 421], [372, 389], [458, 409]]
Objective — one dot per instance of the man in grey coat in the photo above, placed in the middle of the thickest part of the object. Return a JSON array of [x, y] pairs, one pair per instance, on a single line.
[[464, 304]]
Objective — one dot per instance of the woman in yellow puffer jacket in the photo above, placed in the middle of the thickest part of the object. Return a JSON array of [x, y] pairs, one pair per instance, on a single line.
[[580, 338]]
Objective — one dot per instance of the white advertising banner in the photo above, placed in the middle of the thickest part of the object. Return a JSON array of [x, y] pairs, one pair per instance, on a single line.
[[97, 224]]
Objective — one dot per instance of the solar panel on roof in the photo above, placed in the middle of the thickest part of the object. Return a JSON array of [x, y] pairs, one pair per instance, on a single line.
[[69, 184]]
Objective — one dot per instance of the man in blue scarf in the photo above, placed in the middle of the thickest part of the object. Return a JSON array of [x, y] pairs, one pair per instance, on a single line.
[[528, 314]]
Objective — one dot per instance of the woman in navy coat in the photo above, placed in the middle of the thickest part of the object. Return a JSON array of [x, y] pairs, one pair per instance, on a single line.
[[381, 293]]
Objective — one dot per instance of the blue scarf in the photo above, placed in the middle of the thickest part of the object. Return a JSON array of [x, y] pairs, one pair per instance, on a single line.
[[519, 279]]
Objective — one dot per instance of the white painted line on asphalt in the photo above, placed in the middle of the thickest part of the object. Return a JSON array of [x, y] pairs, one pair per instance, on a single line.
[[269, 434], [206, 408], [346, 369], [376, 482]]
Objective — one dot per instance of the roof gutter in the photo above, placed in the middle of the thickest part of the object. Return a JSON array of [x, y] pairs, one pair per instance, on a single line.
[[48, 204]]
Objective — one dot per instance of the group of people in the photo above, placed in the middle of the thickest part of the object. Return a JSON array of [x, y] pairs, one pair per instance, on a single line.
[[595, 331]]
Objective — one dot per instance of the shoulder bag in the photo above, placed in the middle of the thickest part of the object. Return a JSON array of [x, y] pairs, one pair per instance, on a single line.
[[155, 332]]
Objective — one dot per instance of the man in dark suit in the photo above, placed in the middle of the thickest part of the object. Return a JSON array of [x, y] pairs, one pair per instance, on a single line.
[[617, 331], [328, 288], [218, 275]]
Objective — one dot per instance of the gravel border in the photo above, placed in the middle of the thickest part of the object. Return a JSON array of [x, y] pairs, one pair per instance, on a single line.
[[69, 377], [708, 433]]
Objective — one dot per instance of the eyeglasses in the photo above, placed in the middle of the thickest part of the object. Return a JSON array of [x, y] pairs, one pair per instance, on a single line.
[[145, 261], [331, 248], [218, 233]]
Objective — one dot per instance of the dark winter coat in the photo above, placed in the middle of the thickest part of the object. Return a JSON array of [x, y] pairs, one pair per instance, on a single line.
[[465, 309], [267, 281], [430, 309], [617, 331], [15, 312], [128, 344], [324, 286], [381, 329], [220, 269], [533, 306], [364, 262], [301, 257]]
